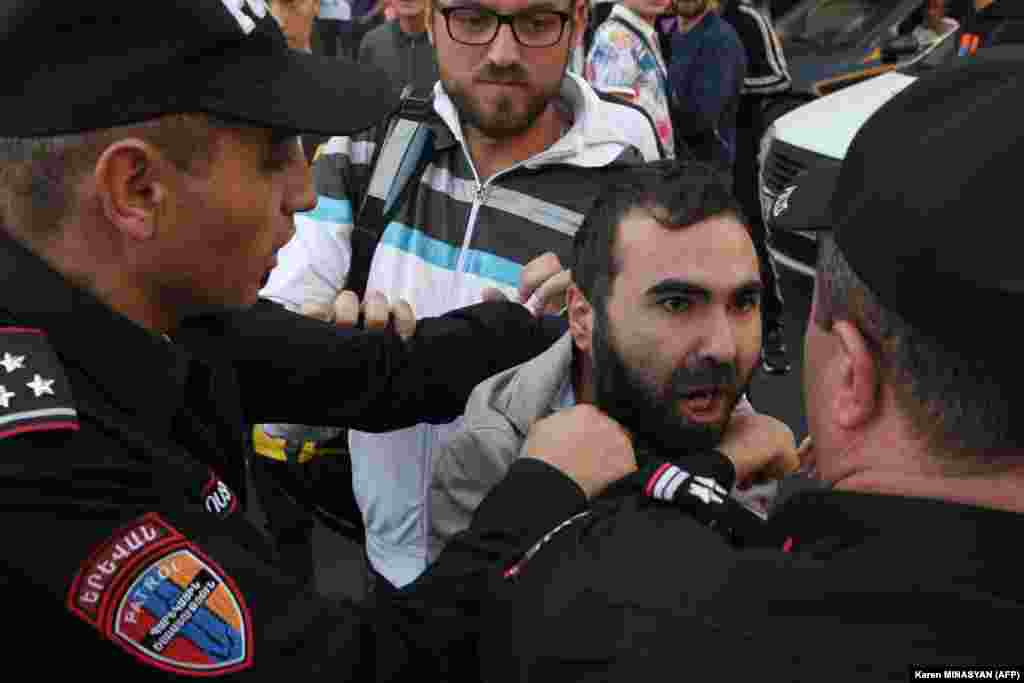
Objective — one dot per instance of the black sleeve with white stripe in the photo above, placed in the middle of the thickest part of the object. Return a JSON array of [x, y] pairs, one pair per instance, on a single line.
[[702, 490], [767, 71], [700, 486]]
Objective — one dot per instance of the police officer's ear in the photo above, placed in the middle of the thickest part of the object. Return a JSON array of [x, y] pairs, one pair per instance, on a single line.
[[130, 186], [856, 385], [581, 319]]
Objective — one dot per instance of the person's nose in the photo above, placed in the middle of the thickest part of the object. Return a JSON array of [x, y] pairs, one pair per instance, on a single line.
[[299, 191], [504, 49], [300, 194], [720, 336]]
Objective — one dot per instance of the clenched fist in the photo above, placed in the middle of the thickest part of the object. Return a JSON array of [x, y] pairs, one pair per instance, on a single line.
[[760, 446], [542, 286], [584, 444]]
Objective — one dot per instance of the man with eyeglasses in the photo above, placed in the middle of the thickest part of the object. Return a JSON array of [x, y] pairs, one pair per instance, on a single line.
[[520, 153]]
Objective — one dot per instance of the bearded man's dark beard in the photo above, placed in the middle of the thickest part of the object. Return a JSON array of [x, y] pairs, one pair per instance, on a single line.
[[648, 412]]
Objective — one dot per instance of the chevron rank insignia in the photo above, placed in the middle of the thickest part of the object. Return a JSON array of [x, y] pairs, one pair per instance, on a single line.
[[34, 393]]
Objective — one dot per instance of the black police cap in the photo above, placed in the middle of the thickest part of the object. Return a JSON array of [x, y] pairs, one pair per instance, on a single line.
[[924, 205], [74, 66]]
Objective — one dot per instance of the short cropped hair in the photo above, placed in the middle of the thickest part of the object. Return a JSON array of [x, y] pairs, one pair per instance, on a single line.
[[676, 193], [956, 402], [38, 175]]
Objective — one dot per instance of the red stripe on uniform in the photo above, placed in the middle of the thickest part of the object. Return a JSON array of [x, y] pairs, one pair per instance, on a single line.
[[41, 427], [653, 481], [20, 330]]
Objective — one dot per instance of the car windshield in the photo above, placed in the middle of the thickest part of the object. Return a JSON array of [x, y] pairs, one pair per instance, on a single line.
[[832, 23]]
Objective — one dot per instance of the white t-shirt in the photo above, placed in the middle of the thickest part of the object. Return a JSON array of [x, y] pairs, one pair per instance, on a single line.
[[335, 9]]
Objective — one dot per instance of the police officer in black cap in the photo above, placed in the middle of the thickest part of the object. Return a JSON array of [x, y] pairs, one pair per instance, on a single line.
[[149, 171], [906, 563]]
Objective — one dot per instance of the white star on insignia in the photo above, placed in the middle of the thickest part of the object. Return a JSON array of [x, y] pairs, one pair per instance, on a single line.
[[12, 363], [6, 396], [41, 386]]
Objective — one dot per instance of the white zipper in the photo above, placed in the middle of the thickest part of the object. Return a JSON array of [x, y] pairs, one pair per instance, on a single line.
[[479, 199]]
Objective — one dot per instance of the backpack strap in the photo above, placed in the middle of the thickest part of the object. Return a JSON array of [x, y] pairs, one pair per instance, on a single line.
[[616, 100], [398, 163]]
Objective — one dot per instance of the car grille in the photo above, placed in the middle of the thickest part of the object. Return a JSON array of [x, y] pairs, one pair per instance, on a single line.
[[780, 169], [784, 163]]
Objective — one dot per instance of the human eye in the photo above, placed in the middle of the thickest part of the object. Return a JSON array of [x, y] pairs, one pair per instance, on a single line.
[[748, 301], [472, 20], [676, 304], [280, 153], [539, 23]]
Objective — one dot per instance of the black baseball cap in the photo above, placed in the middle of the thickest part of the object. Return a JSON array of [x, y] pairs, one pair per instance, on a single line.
[[72, 66], [924, 206]]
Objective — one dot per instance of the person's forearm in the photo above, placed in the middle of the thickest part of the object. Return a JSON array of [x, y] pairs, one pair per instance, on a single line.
[[438, 615], [295, 369], [530, 501]]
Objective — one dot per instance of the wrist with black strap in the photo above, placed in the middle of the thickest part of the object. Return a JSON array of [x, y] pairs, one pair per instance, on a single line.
[[699, 483]]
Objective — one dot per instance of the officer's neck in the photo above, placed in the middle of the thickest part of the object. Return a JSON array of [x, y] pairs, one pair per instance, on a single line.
[[890, 460], [998, 491], [88, 258]]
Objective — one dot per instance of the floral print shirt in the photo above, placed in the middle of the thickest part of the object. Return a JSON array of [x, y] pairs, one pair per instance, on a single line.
[[622, 64]]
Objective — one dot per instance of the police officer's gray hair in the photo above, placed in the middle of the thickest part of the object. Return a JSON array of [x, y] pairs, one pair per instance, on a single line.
[[957, 403], [38, 175]]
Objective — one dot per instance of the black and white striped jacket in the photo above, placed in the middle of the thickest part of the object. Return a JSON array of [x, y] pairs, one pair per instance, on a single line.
[[767, 72]]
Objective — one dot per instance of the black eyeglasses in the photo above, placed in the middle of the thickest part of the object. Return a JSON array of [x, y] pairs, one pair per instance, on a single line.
[[480, 26]]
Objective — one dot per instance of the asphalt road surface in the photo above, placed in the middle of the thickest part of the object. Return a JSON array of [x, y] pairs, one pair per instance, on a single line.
[[783, 396]]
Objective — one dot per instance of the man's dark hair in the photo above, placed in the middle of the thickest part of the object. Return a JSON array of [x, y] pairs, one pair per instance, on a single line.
[[677, 194], [956, 402]]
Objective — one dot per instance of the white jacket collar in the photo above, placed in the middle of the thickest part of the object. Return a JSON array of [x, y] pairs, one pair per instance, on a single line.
[[593, 140]]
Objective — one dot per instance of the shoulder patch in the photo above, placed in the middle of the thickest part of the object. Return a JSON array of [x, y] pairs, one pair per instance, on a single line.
[[153, 593], [34, 393]]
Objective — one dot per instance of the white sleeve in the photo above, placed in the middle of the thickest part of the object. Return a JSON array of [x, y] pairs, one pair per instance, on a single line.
[[313, 266]]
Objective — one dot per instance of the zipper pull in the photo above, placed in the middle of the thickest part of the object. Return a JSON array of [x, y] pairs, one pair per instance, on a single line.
[[481, 193]]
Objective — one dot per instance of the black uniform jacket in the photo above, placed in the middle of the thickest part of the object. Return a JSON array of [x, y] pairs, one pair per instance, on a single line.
[[126, 554], [854, 587]]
